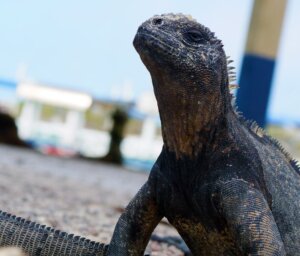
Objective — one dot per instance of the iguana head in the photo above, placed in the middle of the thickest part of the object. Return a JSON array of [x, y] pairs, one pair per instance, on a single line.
[[189, 72]]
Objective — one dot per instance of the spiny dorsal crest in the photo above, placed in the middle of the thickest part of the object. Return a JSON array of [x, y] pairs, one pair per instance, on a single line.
[[254, 127], [231, 75]]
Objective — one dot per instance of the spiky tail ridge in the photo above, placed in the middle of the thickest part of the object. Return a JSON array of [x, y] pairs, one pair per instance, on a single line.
[[40, 240]]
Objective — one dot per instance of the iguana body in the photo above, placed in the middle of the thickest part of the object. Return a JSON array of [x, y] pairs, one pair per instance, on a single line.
[[222, 183]]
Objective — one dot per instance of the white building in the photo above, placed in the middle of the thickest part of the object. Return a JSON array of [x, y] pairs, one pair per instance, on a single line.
[[67, 127]]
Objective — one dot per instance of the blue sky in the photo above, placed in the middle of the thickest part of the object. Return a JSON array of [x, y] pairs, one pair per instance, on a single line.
[[87, 45]]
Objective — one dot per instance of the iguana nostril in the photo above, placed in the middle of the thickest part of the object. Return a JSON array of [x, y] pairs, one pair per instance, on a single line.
[[157, 21]]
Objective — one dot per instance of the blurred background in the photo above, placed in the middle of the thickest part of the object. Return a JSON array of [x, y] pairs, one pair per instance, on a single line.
[[72, 85]]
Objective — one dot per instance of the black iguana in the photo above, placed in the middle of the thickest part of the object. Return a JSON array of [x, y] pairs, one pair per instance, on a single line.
[[227, 188]]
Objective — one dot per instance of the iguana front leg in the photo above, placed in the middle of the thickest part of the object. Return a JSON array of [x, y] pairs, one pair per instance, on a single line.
[[250, 219], [136, 224]]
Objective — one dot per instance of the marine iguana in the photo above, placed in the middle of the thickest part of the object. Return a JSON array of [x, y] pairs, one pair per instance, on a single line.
[[227, 187]]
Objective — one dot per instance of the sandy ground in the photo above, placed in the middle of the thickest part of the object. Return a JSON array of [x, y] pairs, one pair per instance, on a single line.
[[77, 196]]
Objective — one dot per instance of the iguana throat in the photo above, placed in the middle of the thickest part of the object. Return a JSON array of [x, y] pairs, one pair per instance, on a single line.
[[186, 128]]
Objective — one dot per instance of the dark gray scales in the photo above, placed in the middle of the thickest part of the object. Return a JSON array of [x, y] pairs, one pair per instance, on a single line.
[[227, 187], [38, 240]]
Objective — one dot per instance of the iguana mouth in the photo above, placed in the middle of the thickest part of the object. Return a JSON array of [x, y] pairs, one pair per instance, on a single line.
[[148, 40]]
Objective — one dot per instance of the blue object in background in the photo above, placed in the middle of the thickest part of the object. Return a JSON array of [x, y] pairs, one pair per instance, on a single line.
[[260, 58], [255, 86], [8, 84]]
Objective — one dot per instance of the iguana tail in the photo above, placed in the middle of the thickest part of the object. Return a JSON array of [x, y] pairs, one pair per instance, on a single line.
[[37, 240]]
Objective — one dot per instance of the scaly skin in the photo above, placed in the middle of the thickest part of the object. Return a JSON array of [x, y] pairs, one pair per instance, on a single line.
[[38, 240], [225, 186], [222, 183]]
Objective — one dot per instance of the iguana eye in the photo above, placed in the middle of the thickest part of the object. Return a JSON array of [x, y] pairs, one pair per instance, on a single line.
[[195, 36]]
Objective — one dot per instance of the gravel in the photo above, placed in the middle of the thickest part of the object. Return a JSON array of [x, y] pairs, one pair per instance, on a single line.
[[77, 196]]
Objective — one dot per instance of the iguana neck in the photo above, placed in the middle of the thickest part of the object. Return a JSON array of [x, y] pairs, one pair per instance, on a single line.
[[189, 124]]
